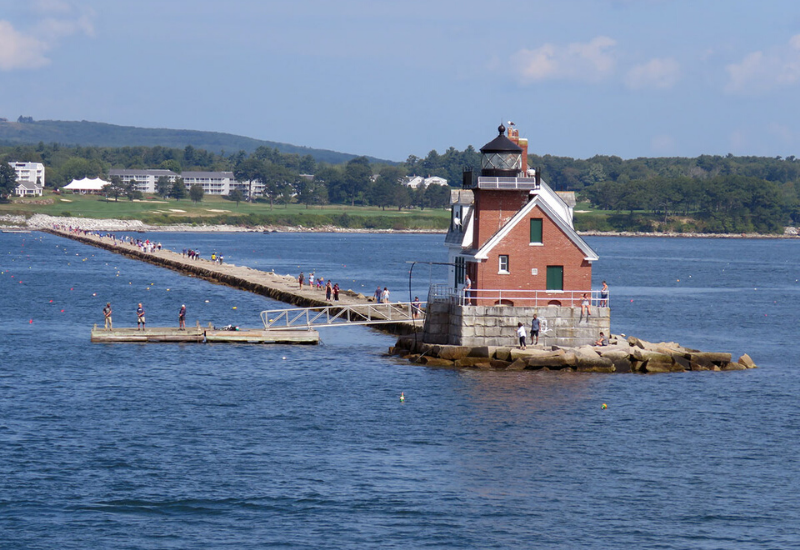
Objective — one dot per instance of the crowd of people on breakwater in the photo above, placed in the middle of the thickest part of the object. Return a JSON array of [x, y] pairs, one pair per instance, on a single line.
[[319, 283]]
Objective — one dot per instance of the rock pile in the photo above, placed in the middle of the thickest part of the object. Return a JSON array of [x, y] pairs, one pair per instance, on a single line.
[[623, 355]]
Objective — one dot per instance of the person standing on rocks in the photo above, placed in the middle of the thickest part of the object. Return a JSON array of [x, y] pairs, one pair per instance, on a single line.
[[535, 326], [107, 316], [182, 318], [311, 280], [328, 291], [140, 317], [521, 335], [336, 292], [301, 278], [378, 295], [416, 307]]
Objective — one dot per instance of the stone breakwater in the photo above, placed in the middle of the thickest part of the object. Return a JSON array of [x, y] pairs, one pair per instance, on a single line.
[[623, 355], [283, 288]]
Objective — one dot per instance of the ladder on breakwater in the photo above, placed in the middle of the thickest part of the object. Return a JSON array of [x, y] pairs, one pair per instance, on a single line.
[[341, 315]]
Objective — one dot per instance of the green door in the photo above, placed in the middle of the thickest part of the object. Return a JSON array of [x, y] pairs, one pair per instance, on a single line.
[[555, 277]]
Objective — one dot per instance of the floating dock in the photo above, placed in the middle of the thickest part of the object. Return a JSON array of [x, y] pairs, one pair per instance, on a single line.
[[200, 335]]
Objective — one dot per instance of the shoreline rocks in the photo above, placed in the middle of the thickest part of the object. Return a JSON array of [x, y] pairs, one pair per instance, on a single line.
[[623, 355], [43, 221]]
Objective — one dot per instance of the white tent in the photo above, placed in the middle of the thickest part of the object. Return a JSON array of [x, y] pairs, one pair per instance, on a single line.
[[86, 185]]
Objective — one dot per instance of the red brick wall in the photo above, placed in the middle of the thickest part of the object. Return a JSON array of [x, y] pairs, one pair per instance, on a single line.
[[493, 209], [557, 249]]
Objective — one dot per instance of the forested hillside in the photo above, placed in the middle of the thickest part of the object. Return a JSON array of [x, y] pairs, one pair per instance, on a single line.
[[28, 131]]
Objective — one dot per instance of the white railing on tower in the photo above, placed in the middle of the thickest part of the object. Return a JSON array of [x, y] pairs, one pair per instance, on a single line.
[[518, 298]]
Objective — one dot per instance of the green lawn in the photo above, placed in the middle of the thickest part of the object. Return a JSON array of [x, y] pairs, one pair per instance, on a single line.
[[215, 209]]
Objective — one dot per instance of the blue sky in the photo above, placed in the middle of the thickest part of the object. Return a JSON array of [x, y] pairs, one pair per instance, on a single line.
[[389, 79]]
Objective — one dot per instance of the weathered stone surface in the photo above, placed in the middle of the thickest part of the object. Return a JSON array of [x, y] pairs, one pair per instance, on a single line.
[[538, 361], [498, 364], [453, 352], [435, 361], [734, 366], [470, 361], [504, 354], [657, 366], [682, 361], [634, 341], [517, 365], [716, 358], [483, 365], [700, 363], [647, 355], [588, 359], [412, 357], [746, 361], [480, 351]]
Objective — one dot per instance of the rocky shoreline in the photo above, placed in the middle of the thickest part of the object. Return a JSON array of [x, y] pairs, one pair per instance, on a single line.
[[43, 221], [622, 355]]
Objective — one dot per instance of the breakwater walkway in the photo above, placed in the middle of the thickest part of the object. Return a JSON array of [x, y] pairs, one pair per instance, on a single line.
[[283, 288]]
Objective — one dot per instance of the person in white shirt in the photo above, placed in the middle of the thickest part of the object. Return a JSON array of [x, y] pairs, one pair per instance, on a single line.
[[521, 334]]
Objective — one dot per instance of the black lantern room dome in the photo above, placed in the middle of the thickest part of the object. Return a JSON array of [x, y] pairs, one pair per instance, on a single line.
[[501, 157]]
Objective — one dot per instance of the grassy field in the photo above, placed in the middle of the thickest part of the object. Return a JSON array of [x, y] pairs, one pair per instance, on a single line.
[[216, 210]]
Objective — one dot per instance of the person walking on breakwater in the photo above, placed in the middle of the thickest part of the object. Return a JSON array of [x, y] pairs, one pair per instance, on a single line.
[[521, 335], [328, 291], [535, 326], [300, 279], [107, 316], [415, 307], [378, 295], [182, 317], [385, 295], [336, 292], [140, 317], [311, 280], [604, 295]]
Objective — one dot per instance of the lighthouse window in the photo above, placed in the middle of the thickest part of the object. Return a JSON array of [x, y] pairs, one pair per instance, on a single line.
[[504, 264], [460, 270], [536, 230]]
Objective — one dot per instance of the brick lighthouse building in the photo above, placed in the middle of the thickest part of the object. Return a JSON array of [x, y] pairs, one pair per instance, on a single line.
[[514, 251]]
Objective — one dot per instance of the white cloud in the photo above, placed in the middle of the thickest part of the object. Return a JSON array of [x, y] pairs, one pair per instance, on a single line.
[[656, 73], [26, 50], [20, 51], [590, 61], [760, 72]]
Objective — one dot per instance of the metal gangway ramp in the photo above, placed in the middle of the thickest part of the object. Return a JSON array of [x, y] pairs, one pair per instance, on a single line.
[[340, 315]]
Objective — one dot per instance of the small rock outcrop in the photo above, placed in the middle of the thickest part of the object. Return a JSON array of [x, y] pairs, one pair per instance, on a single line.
[[622, 356]]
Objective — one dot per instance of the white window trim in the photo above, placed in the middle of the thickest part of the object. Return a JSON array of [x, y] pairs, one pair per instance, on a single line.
[[535, 244], [500, 269]]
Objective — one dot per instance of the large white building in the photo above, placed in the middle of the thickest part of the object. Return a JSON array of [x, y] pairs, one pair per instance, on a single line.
[[30, 178], [213, 183], [415, 182]]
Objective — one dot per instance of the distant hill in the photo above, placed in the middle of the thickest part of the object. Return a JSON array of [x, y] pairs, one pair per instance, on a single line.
[[110, 135]]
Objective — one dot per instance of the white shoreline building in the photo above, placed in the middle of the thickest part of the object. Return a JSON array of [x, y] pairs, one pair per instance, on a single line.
[[213, 183], [30, 178]]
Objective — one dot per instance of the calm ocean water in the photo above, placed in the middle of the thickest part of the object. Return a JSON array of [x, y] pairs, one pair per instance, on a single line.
[[227, 446]]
